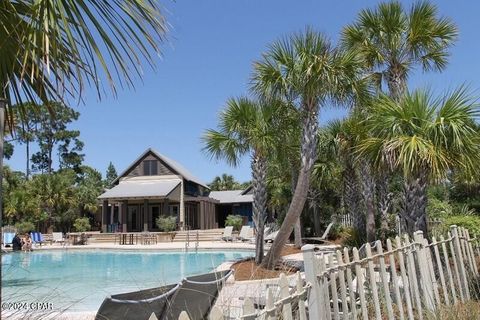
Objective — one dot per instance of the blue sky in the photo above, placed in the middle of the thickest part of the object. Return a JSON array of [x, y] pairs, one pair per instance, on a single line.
[[208, 58]]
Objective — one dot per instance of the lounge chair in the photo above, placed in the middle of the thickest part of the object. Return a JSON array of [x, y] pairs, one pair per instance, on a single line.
[[245, 233], [271, 237], [138, 305], [58, 237], [7, 238], [197, 295], [37, 238], [227, 234], [266, 232], [321, 239]]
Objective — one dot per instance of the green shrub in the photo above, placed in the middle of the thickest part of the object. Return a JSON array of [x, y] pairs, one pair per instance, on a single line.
[[24, 227], [234, 220], [82, 224], [167, 224], [472, 223], [438, 208]]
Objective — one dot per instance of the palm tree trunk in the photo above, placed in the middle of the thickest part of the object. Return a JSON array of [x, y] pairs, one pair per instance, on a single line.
[[384, 199], [368, 191], [259, 170], [3, 103], [351, 199], [297, 229], [396, 81], [414, 211], [308, 157]]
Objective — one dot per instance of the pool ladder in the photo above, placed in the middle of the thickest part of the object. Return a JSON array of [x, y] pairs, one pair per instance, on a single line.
[[187, 242]]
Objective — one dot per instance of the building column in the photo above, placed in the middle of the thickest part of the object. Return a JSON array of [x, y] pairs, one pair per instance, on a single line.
[[112, 210], [104, 215], [145, 215], [124, 209], [182, 208], [201, 213]]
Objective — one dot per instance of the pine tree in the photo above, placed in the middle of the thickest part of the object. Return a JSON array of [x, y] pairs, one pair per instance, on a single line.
[[111, 175]]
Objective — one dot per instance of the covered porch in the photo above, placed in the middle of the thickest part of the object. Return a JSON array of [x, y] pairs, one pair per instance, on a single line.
[[135, 204]]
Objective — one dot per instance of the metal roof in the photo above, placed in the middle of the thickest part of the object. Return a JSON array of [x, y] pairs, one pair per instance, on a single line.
[[141, 188], [180, 170], [231, 196]]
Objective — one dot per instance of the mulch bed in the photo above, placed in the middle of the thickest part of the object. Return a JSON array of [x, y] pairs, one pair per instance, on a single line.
[[248, 270]]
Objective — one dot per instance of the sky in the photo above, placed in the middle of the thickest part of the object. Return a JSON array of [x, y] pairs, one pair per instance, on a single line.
[[208, 58]]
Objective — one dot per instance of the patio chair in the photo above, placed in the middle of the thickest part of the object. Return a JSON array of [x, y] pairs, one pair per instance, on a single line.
[[245, 233], [197, 295], [7, 238], [266, 231], [37, 238], [58, 237], [138, 305], [271, 237], [227, 234], [321, 239]]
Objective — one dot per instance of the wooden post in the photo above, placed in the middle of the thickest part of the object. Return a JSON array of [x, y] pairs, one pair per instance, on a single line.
[[145, 215], [104, 215], [425, 281], [315, 300], [458, 254]]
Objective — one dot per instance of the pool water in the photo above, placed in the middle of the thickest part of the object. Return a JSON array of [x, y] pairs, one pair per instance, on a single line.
[[79, 280]]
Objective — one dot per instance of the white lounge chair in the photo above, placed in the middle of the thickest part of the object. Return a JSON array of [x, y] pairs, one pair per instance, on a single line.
[[321, 239], [245, 233], [58, 237], [227, 234], [271, 237]]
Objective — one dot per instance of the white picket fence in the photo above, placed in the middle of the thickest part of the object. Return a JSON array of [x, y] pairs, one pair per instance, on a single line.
[[403, 282], [407, 280]]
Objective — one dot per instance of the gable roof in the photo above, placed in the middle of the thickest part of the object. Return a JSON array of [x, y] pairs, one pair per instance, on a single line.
[[141, 189], [175, 166]]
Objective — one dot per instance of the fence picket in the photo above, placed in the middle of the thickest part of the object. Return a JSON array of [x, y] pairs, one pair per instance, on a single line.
[[440, 271], [455, 274], [333, 287], [385, 280], [270, 306], [353, 300], [373, 282], [393, 271], [183, 316], [343, 287], [462, 274], [302, 313], [405, 280], [315, 301], [326, 289], [360, 287], [284, 293], [248, 310], [449, 270], [431, 271], [413, 276], [424, 272], [153, 316], [472, 253]]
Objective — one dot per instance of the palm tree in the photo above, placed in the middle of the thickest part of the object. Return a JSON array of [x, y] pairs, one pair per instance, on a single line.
[[425, 139], [307, 71], [247, 127], [393, 41], [224, 182]]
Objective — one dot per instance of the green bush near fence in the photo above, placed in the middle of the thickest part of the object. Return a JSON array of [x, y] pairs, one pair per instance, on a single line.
[[167, 224], [472, 223], [236, 221]]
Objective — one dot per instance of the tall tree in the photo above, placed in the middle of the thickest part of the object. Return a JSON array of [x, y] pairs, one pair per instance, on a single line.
[[247, 127], [111, 175], [393, 41], [425, 138], [224, 182], [52, 132], [307, 71]]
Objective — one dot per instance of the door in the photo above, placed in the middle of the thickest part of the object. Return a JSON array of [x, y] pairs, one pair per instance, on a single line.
[[132, 218]]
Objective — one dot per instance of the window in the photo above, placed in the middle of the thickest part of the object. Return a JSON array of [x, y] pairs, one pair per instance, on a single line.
[[150, 168], [155, 215]]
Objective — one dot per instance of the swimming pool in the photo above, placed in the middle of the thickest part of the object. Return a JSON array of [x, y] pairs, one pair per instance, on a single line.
[[79, 280]]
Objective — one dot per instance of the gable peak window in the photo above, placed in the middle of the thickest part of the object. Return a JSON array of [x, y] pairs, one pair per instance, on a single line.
[[150, 167]]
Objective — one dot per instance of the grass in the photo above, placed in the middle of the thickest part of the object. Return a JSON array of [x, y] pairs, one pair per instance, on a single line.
[[464, 311]]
